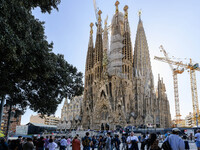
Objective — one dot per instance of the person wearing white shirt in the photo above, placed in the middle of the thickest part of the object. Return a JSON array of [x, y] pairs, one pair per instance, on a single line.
[[197, 138], [63, 143], [130, 139], [52, 145], [175, 140]]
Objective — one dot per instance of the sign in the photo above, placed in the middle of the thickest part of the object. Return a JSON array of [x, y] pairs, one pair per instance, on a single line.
[[22, 130]]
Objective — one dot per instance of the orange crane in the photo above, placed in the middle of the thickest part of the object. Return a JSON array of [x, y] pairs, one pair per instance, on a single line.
[[175, 71], [192, 68]]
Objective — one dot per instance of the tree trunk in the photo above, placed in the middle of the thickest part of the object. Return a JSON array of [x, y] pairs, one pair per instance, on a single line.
[[1, 109], [8, 123]]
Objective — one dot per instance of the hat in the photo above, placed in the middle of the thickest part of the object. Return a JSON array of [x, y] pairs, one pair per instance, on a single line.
[[175, 130]]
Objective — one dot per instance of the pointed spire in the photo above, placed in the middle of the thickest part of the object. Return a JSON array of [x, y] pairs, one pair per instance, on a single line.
[[117, 4], [91, 35], [126, 23], [139, 14], [126, 11], [89, 59], [141, 59], [99, 13]]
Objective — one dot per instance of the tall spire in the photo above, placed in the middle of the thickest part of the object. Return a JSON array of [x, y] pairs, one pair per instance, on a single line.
[[98, 49], [127, 49], [141, 60], [90, 57]]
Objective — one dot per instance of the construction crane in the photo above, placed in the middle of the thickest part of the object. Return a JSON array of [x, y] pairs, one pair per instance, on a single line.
[[96, 9], [192, 68], [175, 71]]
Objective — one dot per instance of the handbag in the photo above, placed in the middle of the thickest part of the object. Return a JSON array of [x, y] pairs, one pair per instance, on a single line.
[[166, 145]]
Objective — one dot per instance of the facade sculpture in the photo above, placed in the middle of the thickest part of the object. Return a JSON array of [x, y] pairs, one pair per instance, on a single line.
[[119, 85]]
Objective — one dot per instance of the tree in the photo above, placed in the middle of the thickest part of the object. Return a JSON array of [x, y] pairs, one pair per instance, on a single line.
[[31, 74]]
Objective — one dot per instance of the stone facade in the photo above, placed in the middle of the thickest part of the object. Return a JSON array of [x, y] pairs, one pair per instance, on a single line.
[[119, 85], [70, 113]]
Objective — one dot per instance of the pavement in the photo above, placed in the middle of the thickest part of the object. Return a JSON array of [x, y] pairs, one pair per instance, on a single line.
[[192, 146]]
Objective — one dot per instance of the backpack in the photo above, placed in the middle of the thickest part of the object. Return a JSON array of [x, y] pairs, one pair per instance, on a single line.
[[166, 145], [86, 142]]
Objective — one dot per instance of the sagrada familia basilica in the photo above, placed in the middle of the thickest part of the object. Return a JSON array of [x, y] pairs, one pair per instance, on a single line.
[[119, 84]]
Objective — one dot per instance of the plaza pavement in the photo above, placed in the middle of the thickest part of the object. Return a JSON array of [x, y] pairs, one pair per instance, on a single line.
[[192, 146]]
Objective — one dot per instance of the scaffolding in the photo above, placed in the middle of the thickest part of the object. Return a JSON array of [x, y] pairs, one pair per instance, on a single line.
[[115, 56]]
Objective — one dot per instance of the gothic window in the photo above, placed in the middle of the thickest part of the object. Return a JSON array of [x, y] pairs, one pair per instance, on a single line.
[[110, 89], [103, 94]]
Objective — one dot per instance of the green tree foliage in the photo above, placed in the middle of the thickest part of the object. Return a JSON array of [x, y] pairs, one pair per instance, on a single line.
[[30, 73]]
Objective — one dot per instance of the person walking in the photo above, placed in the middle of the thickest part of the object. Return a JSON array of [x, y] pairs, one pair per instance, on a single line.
[[153, 142], [46, 142], [197, 139], [68, 143], [187, 147], [117, 142], [86, 142], [108, 142], [123, 142], [40, 144], [143, 142], [28, 145], [175, 141], [63, 143], [100, 144], [132, 142], [52, 145], [94, 141], [76, 144]]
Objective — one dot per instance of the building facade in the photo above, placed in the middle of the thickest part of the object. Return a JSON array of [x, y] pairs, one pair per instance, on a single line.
[[47, 120], [119, 85], [70, 113], [189, 122], [14, 122]]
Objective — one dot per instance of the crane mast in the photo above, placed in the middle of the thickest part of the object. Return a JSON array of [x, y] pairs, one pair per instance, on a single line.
[[192, 68], [175, 80]]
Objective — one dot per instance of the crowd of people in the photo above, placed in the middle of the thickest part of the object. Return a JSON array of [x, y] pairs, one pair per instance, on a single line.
[[108, 142]]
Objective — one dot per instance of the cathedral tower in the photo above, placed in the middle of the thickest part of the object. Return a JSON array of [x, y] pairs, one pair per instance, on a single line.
[[98, 54], [127, 49]]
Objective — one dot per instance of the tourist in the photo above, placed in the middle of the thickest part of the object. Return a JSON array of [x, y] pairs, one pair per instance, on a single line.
[[108, 142], [46, 142], [175, 142], [187, 147], [86, 142], [153, 142], [52, 145], [76, 144], [100, 144], [123, 142], [19, 143], [94, 141], [143, 142], [3, 144], [28, 145], [63, 143], [68, 143], [197, 138], [117, 142], [40, 144], [132, 142]]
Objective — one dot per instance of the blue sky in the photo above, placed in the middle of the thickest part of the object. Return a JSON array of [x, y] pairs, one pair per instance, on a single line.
[[173, 23]]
